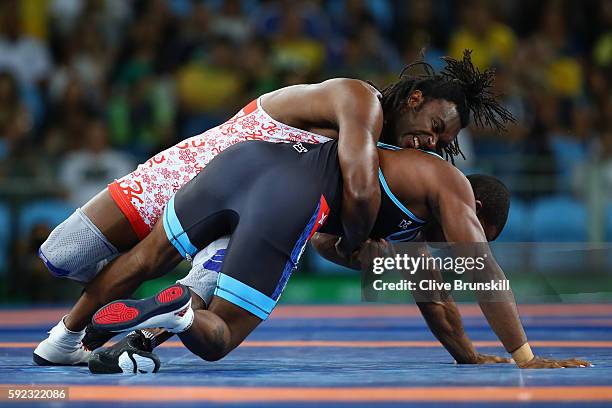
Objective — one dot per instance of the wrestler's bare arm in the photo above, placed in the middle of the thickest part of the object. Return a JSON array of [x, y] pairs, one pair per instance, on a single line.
[[452, 203], [352, 109], [442, 317], [442, 314]]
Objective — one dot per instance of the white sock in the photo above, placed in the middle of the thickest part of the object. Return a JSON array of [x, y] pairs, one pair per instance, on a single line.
[[64, 337]]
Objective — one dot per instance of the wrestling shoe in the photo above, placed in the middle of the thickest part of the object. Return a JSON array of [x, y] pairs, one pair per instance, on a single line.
[[95, 338], [169, 309], [62, 347], [131, 355]]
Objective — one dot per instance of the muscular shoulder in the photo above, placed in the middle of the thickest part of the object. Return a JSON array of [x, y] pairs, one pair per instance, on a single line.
[[352, 94], [447, 185], [330, 100], [353, 87], [331, 89], [444, 177], [434, 175]]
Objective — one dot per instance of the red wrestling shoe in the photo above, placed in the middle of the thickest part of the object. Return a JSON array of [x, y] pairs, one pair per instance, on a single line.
[[169, 309]]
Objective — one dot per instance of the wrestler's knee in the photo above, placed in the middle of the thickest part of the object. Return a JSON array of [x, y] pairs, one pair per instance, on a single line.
[[211, 343], [76, 249], [213, 354], [219, 344]]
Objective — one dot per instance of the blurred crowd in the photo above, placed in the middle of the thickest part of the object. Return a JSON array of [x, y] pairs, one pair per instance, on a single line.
[[89, 88]]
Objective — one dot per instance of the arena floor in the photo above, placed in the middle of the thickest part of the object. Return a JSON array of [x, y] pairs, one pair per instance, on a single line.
[[338, 355]]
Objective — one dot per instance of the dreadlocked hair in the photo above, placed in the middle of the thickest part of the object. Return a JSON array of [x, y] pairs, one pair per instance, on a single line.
[[461, 83]]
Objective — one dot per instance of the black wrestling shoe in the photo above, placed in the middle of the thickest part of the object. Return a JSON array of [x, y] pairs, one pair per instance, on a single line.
[[169, 309], [131, 355], [96, 338]]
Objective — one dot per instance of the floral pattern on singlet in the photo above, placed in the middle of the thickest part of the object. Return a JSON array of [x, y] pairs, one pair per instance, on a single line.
[[148, 188]]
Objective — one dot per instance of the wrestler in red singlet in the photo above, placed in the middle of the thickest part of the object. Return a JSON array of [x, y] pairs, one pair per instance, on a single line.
[[143, 194]]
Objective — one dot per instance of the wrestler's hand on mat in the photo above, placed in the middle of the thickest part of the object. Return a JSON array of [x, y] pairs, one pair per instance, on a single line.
[[491, 359], [485, 359], [539, 362]]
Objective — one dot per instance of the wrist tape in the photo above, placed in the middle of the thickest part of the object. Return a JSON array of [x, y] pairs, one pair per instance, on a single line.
[[522, 355]]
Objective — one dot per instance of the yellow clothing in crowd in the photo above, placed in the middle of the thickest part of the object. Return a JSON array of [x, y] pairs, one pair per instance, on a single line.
[[498, 44]]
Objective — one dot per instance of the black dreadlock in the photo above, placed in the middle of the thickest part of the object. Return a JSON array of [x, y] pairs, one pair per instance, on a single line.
[[460, 83]]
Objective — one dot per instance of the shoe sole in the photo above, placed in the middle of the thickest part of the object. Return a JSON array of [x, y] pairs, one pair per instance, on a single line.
[[124, 315]]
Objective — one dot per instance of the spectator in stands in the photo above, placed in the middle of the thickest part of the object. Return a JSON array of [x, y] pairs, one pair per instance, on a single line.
[[19, 153], [141, 107], [602, 50], [25, 57], [349, 15], [421, 28], [195, 33], [368, 56], [231, 22], [550, 55], [15, 120], [89, 169], [538, 166], [602, 158], [209, 86], [85, 58], [161, 34], [72, 112], [159, 70], [293, 48], [256, 68], [492, 41], [598, 90]]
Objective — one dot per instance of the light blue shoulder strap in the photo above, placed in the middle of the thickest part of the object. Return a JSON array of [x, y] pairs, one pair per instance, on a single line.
[[387, 146], [432, 153]]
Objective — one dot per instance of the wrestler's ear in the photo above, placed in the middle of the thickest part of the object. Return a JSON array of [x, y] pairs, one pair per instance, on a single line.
[[415, 99], [478, 206]]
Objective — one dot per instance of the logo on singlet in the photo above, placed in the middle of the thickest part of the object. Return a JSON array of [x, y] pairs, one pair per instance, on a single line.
[[299, 147], [405, 224]]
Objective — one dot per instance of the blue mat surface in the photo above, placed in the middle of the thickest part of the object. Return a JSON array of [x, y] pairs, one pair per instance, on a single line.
[[372, 356]]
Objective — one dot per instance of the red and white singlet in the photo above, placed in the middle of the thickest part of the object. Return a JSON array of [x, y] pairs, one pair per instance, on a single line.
[[142, 195]]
